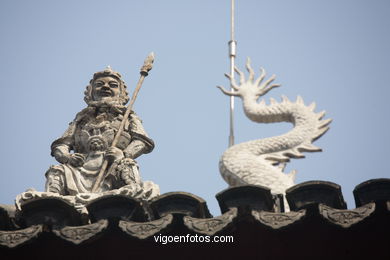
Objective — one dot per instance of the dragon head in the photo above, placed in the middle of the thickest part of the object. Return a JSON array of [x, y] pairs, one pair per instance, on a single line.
[[249, 88]]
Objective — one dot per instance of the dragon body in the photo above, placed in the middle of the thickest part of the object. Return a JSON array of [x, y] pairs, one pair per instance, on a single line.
[[261, 162]]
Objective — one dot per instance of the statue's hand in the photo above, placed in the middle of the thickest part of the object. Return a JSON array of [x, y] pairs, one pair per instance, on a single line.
[[76, 159], [61, 153], [62, 158], [113, 154]]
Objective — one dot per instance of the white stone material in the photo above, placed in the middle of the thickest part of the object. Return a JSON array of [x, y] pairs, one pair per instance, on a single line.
[[261, 162]]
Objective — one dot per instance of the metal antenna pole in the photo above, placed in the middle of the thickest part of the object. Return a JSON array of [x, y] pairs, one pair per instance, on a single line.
[[232, 56]]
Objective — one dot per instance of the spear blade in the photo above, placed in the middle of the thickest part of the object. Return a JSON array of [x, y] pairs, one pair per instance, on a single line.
[[148, 64]]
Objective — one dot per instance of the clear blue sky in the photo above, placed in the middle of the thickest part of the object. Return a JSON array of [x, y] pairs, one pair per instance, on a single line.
[[333, 52]]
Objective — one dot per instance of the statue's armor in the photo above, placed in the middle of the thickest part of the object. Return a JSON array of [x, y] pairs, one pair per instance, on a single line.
[[90, 134]]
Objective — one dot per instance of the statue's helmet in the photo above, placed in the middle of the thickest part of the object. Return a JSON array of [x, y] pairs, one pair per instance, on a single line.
[[123, 97]]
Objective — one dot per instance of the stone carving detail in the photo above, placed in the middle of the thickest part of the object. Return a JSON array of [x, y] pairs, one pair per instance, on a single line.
[[261, 162], [79, 234], [32, 195], [346, 218], [278, 220], [15, 238], [210, 226], [86, 146], [143, 230]]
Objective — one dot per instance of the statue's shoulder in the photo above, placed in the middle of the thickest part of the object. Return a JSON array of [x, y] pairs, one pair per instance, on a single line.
[[134, 116], [86, 113]]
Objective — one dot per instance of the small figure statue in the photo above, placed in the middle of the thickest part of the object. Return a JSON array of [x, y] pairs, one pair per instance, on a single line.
[[90, 136]]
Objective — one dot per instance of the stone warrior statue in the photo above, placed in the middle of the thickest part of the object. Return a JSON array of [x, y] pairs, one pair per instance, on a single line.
[[90, 136]]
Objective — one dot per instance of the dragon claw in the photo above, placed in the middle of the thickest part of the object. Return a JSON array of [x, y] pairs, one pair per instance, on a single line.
[[228, 76], [232, 82], [249, 85], [228, 93], [250, 70], [241, 74], [261, 77]]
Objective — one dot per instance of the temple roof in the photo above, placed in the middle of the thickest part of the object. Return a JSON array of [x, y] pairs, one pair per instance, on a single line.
[[319, 224]]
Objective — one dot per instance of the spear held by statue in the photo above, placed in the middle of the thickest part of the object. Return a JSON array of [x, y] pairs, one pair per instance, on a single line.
[[144, 71]]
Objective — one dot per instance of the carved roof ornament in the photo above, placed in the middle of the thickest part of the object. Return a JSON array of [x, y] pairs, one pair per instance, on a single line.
[[210, 226], [278, 220], [261, 162], [80, 234], [143, 230], [97, 152], [16, 238], [346, 218]]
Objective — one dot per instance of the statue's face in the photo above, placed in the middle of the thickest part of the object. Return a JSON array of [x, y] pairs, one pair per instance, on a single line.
[[105, 88]]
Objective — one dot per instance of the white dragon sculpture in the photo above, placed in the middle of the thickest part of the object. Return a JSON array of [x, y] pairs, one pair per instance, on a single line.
[[261, 162]]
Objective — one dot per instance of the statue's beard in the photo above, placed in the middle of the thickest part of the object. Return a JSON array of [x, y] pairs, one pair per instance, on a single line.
[[110, 103], [105, 102]]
